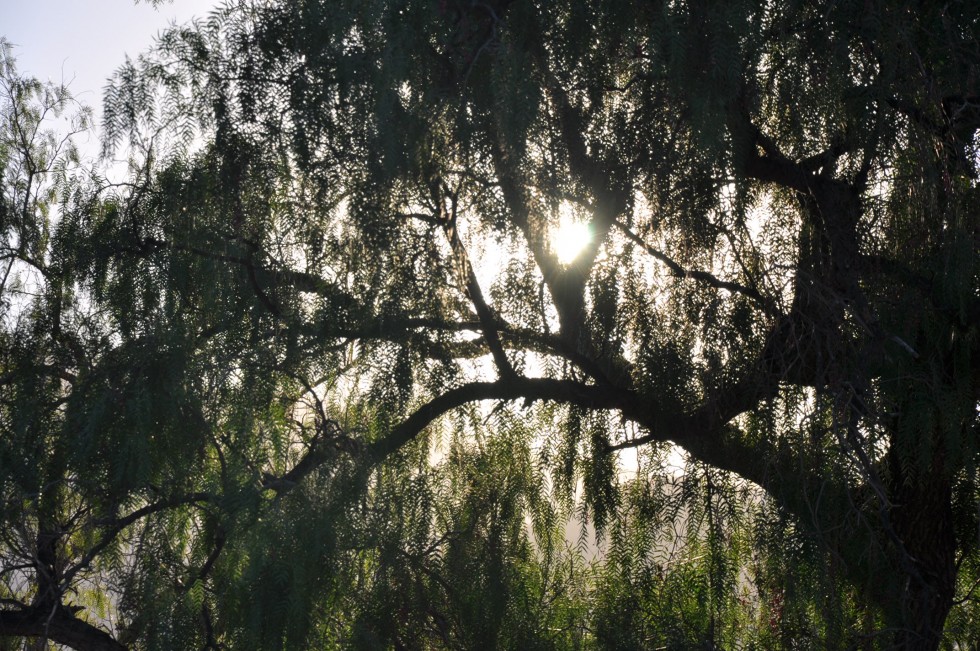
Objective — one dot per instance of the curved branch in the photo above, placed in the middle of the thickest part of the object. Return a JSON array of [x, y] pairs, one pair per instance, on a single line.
[[767, 305], [58, 625], [528, 389], [117, 525]]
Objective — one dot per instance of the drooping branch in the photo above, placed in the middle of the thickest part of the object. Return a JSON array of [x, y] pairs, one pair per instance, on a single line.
[[766, 304]]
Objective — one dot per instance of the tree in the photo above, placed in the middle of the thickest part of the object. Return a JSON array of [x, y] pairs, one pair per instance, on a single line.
[[337, 235]]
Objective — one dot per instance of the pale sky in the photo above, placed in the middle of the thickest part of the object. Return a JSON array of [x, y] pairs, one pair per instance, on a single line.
[[84, 41]]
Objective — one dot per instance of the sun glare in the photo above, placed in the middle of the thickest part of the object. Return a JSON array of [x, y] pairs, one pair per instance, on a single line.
[[569, 239]]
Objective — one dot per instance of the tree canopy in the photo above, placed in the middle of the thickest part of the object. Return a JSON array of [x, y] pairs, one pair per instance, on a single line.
[[315, 376]]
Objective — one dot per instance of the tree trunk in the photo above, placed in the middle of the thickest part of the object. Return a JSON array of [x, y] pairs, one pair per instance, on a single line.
[[923, 521]]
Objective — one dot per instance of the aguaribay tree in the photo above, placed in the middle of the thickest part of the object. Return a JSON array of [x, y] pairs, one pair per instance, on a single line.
[[268, 322]]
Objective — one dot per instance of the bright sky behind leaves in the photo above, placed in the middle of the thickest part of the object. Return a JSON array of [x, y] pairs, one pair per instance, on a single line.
[[84, 41]]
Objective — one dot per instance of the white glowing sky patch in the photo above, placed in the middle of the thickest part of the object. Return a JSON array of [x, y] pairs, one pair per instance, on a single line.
[[569, 239]]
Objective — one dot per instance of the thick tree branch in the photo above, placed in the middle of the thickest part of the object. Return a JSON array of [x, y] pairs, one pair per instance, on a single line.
[[506, 167], [566, 285], [706, 432], [528, 389], [58, 625]]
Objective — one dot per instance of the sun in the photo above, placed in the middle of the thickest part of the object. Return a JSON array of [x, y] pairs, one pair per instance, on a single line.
[[570, 238]]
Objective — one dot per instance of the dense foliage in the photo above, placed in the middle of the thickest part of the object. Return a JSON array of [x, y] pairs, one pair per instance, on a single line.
[[314, 375]]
